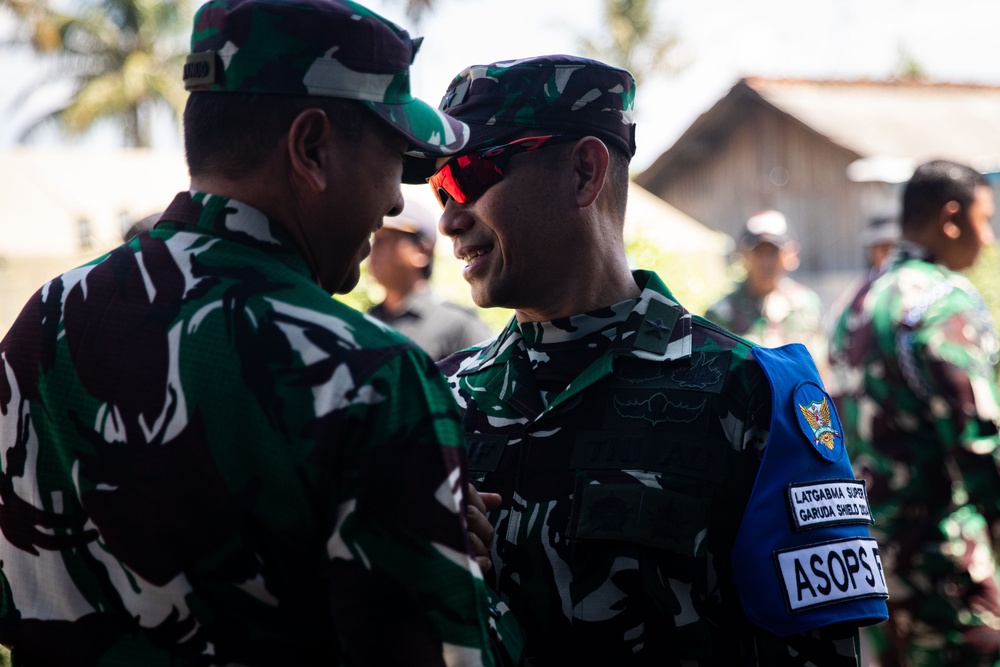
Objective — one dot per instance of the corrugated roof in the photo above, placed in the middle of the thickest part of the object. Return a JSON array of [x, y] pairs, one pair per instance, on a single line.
[[901, 119]]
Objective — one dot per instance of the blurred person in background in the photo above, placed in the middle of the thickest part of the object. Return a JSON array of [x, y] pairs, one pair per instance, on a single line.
[[914, 360], [768, 307], [402, 261], [877, 240]]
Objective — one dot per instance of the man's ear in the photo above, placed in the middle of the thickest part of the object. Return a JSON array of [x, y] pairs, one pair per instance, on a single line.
[[590, 160], [308, 146], [420, 259], [790, 256], [949, 217]]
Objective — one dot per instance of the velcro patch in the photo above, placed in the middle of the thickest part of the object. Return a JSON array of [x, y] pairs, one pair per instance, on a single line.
[[640, 514], [645, 449], [838, 502], [823, 574], [484, 451], [199, 69]]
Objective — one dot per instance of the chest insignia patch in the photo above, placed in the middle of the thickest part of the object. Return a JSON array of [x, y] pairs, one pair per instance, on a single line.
[[658, 408], [819, 421]]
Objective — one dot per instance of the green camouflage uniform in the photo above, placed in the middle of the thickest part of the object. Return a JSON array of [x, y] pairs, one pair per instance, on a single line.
[[913, 360], [206, 460], [608, 556], [792, 313]]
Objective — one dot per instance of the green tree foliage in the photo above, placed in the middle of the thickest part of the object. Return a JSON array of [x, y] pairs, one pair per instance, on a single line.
[[696, 279], [908, 68], [123, 58], [631, 38]]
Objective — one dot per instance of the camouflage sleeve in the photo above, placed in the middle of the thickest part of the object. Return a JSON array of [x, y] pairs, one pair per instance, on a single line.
[[402, 586], [946, 363]]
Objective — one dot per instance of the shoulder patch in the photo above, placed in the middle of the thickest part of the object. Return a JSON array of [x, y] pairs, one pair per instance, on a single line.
[[836, 502], [817, 575], [819, 421]]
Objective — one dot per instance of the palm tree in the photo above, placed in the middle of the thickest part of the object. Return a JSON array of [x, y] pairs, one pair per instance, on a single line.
[[122, 57], [633, 40]]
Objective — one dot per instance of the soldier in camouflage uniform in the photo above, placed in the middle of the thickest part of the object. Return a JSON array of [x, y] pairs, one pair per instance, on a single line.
[[768, 307], [206, 460], [913, 358], [624, 434]]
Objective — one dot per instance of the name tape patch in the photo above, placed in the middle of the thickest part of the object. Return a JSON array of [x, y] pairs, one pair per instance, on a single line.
[[829, 503], [832, 572]]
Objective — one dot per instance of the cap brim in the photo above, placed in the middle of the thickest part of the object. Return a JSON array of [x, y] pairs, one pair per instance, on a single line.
[[753, 240], [432, 134]]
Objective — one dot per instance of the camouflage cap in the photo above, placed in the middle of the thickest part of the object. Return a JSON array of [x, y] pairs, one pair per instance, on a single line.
[[325, 48], [551, 93]]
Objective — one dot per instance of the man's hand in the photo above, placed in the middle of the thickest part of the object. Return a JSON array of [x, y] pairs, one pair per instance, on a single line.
[[480, 531]]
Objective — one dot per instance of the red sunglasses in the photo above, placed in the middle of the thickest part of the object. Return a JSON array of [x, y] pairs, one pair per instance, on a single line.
[[465, 178]]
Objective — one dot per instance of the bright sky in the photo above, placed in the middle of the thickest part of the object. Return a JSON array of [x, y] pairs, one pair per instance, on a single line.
[[721, 40]]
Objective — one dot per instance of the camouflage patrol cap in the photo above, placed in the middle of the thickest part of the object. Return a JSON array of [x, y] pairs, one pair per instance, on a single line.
[[552, 93], [324, 48]]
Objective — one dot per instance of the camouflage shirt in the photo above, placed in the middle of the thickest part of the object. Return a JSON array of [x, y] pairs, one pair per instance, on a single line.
[[206, 460], [603, 549], [792, 313], [913, 360]]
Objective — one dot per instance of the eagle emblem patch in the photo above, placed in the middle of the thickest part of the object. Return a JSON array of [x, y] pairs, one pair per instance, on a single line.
[[819, 421]]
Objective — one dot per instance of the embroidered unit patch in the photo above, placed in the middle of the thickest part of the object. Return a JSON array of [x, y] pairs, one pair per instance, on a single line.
[[821, 574], [819, 421], [828, 503]]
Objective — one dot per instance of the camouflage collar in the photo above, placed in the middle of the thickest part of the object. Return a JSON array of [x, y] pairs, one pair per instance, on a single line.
[[906, 250], [656, 329], [234, 221]]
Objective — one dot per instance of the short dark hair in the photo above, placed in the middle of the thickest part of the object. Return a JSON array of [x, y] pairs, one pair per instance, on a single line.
[[933, 185], [231, 133], [615, 193]]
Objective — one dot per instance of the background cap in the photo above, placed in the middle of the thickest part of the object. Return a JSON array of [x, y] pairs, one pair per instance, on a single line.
[[552, 93], [324, 48], [881, 229], [766, 227], [415, 219]]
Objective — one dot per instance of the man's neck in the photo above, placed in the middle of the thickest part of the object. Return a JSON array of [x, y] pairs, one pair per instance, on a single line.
[[615, 287]]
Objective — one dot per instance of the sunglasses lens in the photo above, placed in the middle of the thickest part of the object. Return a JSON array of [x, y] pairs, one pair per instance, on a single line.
[[465, 178], [444, 184]]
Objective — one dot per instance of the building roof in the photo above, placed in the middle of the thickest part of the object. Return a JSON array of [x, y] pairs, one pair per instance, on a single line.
[[884, 123]]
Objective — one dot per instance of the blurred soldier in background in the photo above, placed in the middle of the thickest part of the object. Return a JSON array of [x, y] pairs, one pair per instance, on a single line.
[[768, 307], [402, 260], [914, 360]]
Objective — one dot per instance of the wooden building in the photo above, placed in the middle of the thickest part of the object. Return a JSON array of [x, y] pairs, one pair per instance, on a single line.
[[829, 154]]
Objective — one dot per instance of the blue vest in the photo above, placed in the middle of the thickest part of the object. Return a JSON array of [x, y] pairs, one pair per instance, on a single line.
[[803, 557]]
